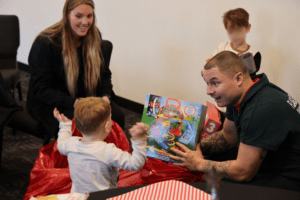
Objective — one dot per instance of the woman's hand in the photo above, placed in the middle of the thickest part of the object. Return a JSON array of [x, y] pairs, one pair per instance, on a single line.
[[105, 98], [77, 101]]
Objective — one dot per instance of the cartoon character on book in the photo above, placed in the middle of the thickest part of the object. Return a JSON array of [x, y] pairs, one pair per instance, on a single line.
[[170, 126], [153, 106]]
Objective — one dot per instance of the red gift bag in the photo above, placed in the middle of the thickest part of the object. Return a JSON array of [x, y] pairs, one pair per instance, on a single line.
[[50, 173], [155, 171]]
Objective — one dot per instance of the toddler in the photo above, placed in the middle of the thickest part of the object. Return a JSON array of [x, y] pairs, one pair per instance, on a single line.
[[94, 164]]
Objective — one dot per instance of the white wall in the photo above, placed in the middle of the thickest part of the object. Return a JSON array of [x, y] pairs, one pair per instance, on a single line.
[[160, 46]]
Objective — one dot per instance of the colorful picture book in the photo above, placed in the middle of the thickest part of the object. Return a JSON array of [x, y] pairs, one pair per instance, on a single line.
[[212, 121], [172, 120]]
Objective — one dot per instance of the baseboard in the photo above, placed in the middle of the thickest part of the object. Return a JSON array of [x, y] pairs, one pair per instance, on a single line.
[[129, 104]]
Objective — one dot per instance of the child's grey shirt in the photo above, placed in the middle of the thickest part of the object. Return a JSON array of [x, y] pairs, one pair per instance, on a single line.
[[95, 165]]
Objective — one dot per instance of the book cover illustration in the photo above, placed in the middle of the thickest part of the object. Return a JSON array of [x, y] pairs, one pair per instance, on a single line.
[[171, 121], [212, 121]]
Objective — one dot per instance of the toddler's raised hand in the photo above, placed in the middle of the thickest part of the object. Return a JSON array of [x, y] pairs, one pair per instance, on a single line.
[[138, 131], [60, 117]]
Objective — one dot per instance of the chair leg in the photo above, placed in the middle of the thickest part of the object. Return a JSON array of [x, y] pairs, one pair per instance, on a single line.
[[1, 141], [18, 86]]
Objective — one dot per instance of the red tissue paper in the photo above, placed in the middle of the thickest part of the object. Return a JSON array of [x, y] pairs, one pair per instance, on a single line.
[[50, 173]]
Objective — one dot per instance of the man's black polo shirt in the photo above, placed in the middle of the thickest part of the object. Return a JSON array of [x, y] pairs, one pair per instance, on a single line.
[[269, 118]]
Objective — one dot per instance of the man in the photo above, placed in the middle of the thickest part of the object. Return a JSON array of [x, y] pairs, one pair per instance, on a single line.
[[261, 119]]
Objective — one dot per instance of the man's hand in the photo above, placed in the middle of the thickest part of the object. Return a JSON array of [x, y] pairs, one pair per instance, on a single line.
[[60, 117], [138, 131], [190, 159]]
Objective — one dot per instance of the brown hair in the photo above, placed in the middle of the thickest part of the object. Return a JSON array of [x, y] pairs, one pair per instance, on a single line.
[[228, 63], [90, 114], [91, 44], [238, 17]]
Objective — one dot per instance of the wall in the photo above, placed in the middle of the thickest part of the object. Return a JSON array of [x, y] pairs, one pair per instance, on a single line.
[[160, 46]]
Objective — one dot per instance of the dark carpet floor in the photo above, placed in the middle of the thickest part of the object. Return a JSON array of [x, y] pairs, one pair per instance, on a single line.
[[21, 150]]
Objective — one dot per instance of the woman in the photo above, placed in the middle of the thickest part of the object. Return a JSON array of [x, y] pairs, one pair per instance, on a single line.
[[69, 62]]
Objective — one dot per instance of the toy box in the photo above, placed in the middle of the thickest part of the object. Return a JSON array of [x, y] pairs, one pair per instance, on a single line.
[[171, 121], [212, 121]]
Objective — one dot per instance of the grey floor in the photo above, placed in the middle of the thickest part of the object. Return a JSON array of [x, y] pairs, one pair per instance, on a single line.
[[21, 150]]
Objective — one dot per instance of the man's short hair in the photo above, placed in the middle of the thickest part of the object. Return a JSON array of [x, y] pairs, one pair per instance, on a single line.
[[228, 63], [90, 114], [238, 17]]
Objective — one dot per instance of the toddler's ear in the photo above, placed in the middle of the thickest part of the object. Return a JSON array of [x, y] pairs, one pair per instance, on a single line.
[[107, 126]]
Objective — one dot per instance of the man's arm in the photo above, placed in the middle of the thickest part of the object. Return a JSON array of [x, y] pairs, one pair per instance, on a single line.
[[244, 168], [221, 141]]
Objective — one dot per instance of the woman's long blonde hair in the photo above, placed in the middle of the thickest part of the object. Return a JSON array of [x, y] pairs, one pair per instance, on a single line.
[[91, 49]]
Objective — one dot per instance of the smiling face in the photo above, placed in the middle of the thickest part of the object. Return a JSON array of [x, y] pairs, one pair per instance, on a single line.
[[223, 88], [81, 19]]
